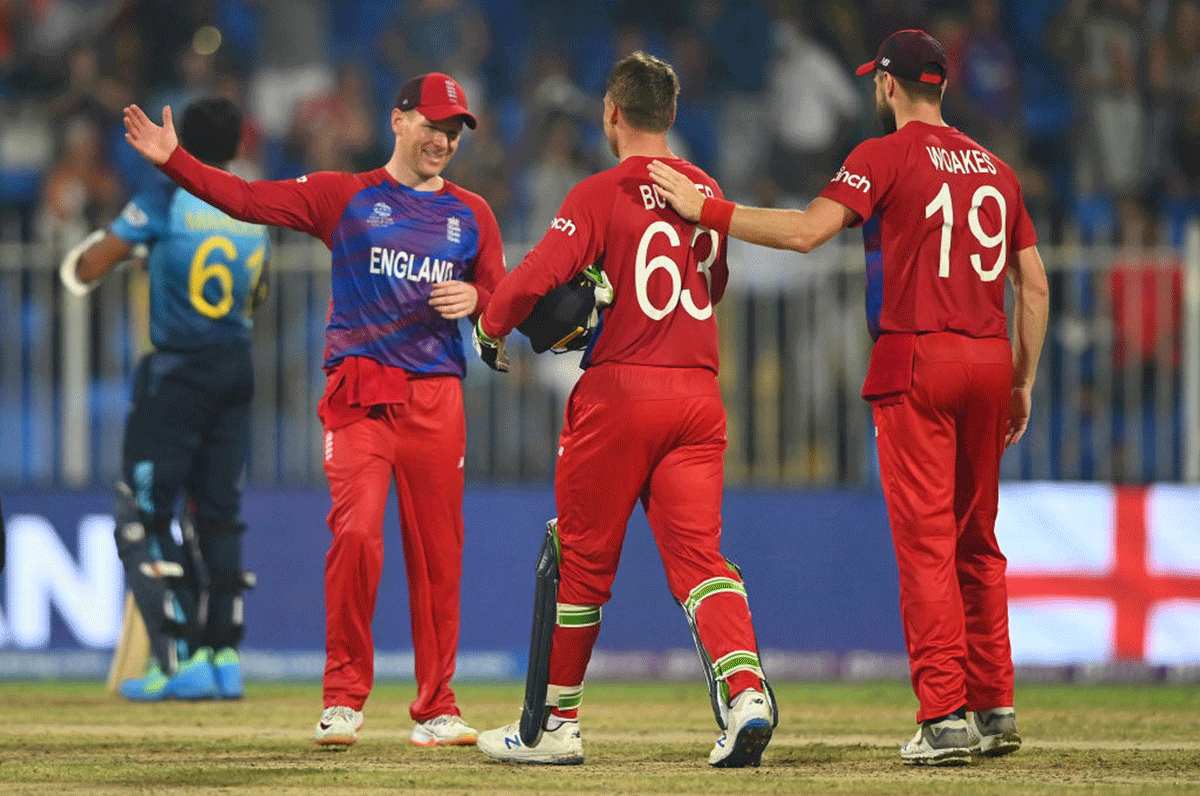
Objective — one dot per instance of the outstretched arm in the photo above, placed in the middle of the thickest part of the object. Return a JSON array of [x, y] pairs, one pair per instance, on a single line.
[[799, 230], [312, 203], [153, 141]]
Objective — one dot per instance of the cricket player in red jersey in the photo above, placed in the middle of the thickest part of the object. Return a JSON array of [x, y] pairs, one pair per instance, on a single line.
[[410, 254], [645, 422], [943, 221]]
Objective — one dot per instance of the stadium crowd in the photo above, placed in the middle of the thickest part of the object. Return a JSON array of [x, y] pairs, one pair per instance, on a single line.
[[1096, 101]]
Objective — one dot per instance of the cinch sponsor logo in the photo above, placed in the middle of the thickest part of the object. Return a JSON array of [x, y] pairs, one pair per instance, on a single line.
[[652, 198], [962, 161], [563, 225], [403, 265], [856, 181]]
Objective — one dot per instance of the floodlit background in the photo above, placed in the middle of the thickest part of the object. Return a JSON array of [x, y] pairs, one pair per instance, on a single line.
[[1095, 103]]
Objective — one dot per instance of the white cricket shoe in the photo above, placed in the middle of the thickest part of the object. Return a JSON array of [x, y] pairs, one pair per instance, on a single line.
[[561, 746], [993, 733], [748, 731], [945, 742], [339, 726], [444, 730]]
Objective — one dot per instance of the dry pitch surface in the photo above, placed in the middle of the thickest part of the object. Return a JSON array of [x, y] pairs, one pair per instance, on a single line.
[[638, 738]]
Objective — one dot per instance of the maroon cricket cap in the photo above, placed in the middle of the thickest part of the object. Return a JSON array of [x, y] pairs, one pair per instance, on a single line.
[[910, 55], [437, 96]]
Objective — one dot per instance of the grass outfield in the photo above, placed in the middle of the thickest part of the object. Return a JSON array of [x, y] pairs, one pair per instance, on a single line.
[[638, 738]]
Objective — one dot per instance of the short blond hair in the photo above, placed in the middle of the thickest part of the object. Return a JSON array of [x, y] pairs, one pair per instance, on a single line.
[[645, 89]]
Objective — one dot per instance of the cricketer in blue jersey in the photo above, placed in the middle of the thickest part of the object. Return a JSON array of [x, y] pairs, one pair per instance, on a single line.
[[188, 426]]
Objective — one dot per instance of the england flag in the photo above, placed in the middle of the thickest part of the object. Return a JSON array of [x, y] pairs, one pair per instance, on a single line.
[[1100, 573]]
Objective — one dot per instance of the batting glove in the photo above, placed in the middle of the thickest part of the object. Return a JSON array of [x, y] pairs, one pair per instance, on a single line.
[[490, 350]]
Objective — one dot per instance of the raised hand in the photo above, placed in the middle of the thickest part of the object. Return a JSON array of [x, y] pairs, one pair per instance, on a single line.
[[154, 142], [454, 299], [682, 194]]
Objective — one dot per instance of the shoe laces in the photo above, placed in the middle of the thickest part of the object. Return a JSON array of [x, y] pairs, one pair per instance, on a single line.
[[339, 712], [446, 719]]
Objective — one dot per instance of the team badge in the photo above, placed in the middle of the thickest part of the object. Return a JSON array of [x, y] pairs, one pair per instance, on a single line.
[[381, 215]]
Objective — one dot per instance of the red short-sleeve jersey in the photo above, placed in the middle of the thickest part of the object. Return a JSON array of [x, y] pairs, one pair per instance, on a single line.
[[666, 273], [941, 219]]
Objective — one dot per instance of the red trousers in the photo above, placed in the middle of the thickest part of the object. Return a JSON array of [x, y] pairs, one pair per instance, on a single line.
[[421, 446], [939, 460], [654, 434]]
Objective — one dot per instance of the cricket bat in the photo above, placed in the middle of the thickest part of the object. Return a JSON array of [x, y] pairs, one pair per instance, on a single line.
[[133, 650]]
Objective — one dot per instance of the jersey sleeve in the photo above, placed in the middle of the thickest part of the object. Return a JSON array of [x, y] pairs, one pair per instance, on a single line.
[[313, 203], [487, 268], [144, 219], [719, 270], [864, 179], [574, 241]]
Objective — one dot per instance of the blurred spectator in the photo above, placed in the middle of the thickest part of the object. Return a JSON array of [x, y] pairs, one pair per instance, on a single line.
[[558, 167], [1107, 44], [813, 106], [161, 31], [482, 165], [88, 93], [450, 36], [1047, 113], [1146, 291], [293, 61], [550, 91], [81, 192], [26, 150], [195, 76], [695, 112], [248, 164], [335, 131], [982, 90], [1174, 82], [739, 37]]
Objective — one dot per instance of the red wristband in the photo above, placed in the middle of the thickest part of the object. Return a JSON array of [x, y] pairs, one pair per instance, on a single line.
[[716, 214]]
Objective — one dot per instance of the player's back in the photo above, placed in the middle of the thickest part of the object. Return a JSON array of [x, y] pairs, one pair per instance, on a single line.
[[666, 273], [203, 267], [948, 221]]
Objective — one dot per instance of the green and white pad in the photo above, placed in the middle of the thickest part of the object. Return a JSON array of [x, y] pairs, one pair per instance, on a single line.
[[716, 673]]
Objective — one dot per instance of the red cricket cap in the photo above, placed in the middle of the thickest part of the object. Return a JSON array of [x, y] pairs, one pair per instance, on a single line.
[[910, 55], [437, 97]]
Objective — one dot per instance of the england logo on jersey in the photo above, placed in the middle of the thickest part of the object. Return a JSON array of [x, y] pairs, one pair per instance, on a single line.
[[453, 229], [381, 215]]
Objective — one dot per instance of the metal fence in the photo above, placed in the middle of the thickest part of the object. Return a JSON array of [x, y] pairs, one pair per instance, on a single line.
[[1115, 399]]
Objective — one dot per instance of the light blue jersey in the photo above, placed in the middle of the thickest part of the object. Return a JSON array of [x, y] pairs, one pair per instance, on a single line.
[[203, 267]]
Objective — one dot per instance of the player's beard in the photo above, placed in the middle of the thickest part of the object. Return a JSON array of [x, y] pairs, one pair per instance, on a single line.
[[886, 114]]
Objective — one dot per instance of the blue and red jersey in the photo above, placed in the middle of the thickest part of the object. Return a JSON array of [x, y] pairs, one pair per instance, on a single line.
[[389, 245]]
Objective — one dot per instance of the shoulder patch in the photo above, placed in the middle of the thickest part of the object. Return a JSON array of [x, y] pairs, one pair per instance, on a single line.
[[134, 215]]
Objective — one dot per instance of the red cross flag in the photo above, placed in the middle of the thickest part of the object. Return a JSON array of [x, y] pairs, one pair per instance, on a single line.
[[1100, 573]]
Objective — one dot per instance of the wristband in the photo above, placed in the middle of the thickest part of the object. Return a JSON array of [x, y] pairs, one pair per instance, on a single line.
[[716, 214]]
